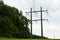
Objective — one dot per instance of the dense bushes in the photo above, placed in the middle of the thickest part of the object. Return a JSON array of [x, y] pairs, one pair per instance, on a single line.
[[13, 23]]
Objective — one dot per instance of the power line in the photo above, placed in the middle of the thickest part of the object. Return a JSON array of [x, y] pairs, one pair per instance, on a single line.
[[37, 20]]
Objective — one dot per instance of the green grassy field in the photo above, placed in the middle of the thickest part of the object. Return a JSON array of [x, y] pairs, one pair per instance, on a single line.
[[25, 39]]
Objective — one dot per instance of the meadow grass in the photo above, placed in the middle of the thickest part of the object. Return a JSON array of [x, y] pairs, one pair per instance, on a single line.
[[24, 39]]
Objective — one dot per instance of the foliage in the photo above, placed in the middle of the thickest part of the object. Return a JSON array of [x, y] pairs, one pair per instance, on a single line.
[[7, 28], [13, 23]]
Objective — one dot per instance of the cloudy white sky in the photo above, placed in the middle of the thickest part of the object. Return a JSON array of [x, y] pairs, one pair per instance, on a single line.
[[52, 27]]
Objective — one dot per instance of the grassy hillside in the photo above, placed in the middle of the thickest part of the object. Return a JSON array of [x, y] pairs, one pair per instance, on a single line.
[[25, 39]]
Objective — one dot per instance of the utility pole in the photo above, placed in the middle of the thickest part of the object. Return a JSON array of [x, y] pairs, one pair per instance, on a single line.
[[41, 23], [42, 20], [37, 19], [31, 20]]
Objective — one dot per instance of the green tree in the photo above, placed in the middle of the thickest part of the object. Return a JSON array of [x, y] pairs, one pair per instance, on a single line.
[[7, 28], [13, 23]]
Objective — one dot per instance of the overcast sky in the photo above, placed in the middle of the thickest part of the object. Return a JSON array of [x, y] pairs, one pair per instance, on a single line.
[[52, 27]]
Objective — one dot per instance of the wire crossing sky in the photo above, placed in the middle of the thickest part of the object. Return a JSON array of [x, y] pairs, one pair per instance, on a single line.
[[52, 28]]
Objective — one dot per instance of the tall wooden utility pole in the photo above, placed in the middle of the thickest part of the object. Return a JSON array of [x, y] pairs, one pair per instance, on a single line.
[[37, 19], [31, 21], [41, 23]]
